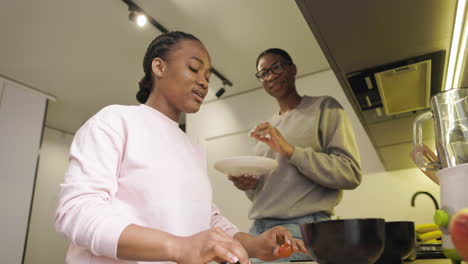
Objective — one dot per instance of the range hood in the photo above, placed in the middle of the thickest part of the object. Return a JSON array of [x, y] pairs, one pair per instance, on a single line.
[[405, 89], [390, 96], [400, 87]]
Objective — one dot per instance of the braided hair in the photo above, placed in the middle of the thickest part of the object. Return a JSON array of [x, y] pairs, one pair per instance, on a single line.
[[160, 47], [276, 51]]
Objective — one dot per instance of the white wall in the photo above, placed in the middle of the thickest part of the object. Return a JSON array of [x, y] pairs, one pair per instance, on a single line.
[[221, 126], [388, 195], [44, 245]]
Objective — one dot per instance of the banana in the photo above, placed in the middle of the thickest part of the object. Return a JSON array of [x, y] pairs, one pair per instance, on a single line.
[[424, 228], [433, 241], [430, 235]]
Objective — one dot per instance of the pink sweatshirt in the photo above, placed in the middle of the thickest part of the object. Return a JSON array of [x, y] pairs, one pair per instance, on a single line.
[[132, 165]]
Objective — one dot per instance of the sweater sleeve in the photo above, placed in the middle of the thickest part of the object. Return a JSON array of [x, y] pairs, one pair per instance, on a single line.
[[85, 214], [217, 220], [338, 166], [250, 194]]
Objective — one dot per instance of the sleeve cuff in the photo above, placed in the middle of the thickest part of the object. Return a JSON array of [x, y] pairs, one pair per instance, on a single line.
[[232, 231], [107, 237], [297, 155]]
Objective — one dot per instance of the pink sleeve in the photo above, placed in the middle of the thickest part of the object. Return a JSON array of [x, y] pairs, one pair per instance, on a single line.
[[217, 220], [85, 214]]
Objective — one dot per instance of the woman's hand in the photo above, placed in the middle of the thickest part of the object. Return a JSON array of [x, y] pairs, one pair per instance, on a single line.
[[280, 236], [271, 136], [244, 182], [207, 246], [430, 157], [266, 246]]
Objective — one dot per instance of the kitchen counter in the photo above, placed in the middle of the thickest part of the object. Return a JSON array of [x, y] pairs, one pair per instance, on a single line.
[[431, 261], [418, 261]]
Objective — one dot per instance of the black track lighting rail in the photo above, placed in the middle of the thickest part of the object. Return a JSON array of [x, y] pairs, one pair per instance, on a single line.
[[132, 6]]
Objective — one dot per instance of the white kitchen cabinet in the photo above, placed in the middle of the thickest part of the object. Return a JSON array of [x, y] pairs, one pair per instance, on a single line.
[[22, 113]]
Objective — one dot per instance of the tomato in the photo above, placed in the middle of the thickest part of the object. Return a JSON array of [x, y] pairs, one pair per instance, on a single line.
[[285, 250]]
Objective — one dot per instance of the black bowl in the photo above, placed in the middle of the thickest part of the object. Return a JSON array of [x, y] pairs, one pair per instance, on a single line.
[[400, 241], [348, 241]]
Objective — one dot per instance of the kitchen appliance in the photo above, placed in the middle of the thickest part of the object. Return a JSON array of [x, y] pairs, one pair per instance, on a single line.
[[449, 110], [346, 241]]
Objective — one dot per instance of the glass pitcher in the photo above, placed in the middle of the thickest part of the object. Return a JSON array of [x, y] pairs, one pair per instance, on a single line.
[[450, 112]]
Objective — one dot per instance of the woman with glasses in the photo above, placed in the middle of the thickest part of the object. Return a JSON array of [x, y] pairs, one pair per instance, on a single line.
[[127, 199], [312, 139]]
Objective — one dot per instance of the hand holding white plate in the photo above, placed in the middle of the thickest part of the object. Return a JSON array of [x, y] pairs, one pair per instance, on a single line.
[[251, 165]]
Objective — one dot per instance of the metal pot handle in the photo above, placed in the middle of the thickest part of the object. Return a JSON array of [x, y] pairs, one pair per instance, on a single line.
[[417, 144]]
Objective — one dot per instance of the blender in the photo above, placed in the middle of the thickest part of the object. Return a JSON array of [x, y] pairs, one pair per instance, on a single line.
[[449, 109]]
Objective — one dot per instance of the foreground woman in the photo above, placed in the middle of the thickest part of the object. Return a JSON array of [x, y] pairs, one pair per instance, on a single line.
[[137, 189]]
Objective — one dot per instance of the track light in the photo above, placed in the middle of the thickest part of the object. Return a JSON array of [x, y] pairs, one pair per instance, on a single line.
[[136, 12], [137, 17], [220, 92]]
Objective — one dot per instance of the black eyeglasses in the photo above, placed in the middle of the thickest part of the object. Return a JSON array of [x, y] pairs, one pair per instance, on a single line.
[[276, 68]]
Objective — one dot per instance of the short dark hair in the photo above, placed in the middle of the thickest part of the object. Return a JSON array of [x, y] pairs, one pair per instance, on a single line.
[[276, 51], [160, 47]]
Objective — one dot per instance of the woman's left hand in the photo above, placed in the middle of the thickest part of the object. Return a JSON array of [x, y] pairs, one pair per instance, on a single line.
[[271, 136], [266, 245]]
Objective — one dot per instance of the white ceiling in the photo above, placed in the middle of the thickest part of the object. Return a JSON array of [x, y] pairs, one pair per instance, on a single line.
[[88, 54]]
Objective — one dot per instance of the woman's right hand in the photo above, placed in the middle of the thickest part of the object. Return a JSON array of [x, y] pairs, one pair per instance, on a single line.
[[207, 246], [429, 157], [244, 182]]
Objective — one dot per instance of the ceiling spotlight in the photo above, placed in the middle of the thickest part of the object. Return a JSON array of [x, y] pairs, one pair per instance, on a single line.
[[220, 92], [141, 20], [138, 18]]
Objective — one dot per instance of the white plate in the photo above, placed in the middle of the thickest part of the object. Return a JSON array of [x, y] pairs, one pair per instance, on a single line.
[[253, 165]]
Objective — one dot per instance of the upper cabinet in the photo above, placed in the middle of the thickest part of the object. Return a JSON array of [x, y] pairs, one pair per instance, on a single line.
[[368, 41]]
